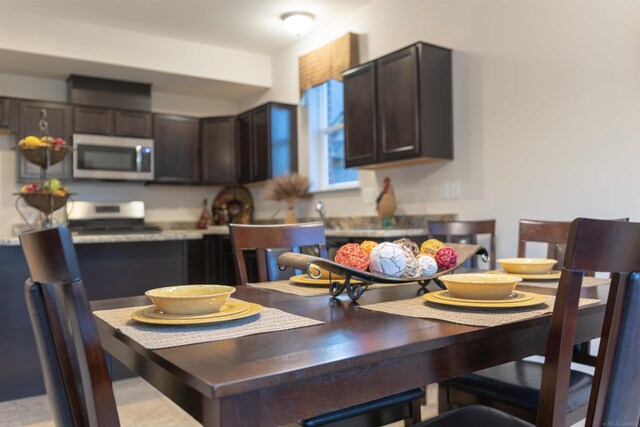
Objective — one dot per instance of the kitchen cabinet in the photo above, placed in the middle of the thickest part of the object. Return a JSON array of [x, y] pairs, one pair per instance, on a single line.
[[105, 121], [59, 119], [218, 150], [4, 113], [176, 149], [267, 142], [398, 108]]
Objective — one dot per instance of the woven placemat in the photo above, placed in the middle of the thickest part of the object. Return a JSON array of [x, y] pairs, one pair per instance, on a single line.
[[587, 282], [161, 336], [419, 307], [311, 290]]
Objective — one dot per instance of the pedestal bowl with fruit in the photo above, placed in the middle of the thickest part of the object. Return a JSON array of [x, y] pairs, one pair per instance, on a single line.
[[36, 149], [49, 197]]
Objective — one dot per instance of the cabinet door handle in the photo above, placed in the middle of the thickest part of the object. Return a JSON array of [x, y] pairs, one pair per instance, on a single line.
[[138, 158]]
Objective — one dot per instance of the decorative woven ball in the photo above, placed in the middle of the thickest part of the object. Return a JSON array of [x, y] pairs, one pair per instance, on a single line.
[[428, 265], [431, 246], [446, 258], [413, 267], [389, 259], [352, 255], [409, 245], [368, 246]]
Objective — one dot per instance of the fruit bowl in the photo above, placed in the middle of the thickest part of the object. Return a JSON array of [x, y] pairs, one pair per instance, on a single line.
[[480, 286], [527, 265], [38, 154], [45, 201], [190, 299]]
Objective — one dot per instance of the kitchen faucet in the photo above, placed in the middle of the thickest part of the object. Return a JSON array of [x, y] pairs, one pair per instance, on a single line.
[[320, 210]]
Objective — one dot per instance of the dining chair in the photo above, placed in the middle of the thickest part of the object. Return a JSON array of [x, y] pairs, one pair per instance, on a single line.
[[292, 237], [554, 391], [552, 233], [466, 232], [73, 363], [263, 239]]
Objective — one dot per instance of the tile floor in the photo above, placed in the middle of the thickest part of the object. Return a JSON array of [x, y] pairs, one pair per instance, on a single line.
[[139, 405]]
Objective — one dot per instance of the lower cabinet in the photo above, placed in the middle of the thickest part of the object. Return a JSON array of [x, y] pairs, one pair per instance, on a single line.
[[109, 270]]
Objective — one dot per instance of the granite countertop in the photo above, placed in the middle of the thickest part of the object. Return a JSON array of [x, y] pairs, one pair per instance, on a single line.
[[336, 227]]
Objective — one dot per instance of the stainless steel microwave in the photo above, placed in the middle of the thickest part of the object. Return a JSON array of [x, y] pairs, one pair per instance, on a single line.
[[112, 157]]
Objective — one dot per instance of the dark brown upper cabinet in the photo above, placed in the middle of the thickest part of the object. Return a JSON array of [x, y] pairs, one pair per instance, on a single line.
[[105, 121], [134, 124], [218, 150], [177, 149], [398, 108], [4, 113], [59, 120], [267, 142]]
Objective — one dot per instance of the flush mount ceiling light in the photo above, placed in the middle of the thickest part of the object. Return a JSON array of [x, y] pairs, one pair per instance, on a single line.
[[297, 23]]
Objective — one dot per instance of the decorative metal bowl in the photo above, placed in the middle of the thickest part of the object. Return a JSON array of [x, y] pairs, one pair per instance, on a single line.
[[38, 154], [44, 201], [311, 263]]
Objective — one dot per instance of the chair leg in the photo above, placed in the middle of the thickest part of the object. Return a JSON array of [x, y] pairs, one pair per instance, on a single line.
[[416, 413], [443, 399]]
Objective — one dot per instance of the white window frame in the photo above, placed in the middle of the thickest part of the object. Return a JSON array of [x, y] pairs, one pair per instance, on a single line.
[[319, 151]]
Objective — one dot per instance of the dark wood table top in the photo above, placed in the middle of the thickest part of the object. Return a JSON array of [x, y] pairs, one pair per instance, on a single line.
[[356, 356]]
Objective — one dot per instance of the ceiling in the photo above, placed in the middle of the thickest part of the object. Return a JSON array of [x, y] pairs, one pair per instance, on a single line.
[[250, 25]]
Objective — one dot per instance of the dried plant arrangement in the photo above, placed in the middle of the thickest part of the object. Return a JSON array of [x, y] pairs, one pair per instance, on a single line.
[[288, 188]]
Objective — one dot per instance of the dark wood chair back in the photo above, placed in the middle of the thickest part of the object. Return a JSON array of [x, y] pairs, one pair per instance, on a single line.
[[73, 363], [553, 233], [466, 232], [606, 246], [281, 236]]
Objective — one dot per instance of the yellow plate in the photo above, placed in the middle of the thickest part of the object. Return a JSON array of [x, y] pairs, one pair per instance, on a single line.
[[516, 296], [303, 279], [232, 306], [551, 275], [535, 300], [140, 316]]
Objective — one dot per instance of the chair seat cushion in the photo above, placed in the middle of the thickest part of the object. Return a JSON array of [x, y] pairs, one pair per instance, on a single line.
[[474, 415], [518, 384]]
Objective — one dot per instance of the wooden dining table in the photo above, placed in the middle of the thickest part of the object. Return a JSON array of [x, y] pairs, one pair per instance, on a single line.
[[355, 356]]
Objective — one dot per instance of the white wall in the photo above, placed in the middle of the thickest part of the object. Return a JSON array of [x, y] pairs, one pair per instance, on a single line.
[[546, 113], [546, 108]]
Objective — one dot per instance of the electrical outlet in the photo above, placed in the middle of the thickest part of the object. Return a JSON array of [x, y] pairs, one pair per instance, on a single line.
[[445, 190], [368, 195], [456, 189]]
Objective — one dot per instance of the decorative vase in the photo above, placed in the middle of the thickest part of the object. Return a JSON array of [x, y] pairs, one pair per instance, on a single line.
[[290, 218]]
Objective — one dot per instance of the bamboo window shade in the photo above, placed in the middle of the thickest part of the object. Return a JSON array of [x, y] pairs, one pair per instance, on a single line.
[[328, 62]]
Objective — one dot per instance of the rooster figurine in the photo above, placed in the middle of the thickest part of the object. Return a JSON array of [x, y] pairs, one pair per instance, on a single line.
[[386, 204]]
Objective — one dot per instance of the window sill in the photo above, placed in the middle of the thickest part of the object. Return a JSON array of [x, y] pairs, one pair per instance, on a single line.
[[337, 187]]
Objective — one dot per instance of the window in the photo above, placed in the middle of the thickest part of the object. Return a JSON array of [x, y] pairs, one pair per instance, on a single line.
[[325, 106]]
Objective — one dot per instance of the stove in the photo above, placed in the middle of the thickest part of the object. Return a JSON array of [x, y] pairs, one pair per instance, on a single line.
[[108, 218]]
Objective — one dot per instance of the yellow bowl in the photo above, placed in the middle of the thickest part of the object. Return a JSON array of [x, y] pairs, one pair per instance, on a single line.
[[527, 265], [190, 299], [324, 274], [480, 286]]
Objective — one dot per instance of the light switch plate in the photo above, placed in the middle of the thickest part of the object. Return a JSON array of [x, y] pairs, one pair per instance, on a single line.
[[445, 190], [456, 189]]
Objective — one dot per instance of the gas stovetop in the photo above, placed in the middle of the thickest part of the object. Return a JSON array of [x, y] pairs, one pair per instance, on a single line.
[[109, 218]]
